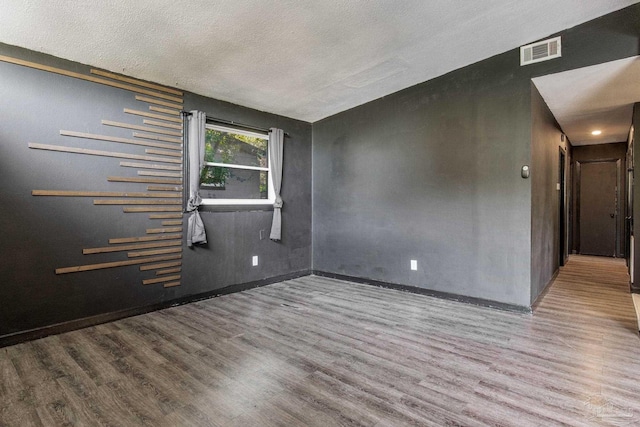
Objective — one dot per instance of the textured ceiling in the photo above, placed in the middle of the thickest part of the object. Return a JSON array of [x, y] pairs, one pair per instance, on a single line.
[[598, 97], [305, 59]]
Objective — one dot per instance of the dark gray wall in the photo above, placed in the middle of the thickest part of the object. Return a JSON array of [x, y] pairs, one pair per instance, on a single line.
[[433, 173], [615, 151], [546, 142], [234, 236], [40, 234]]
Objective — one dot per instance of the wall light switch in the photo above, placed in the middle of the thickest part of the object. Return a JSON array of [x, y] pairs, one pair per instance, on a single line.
[[414, 264], [255, 260], [558, 186]]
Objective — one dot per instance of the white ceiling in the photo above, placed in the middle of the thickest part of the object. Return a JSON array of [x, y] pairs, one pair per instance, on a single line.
[[306, 59], [598, 97]]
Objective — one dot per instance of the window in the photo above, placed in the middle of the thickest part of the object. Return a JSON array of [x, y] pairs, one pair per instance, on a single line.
[[236, 170]]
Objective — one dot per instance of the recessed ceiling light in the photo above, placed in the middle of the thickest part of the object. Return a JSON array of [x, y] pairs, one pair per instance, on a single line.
[[596, 132]]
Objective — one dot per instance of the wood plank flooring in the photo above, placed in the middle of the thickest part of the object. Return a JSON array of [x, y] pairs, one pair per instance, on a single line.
[[321, 352]]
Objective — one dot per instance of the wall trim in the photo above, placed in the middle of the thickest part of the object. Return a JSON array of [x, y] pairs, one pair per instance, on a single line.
[[429, 292], [72, 325]]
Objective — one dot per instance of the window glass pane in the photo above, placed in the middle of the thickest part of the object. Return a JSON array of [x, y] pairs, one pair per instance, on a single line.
[[229, 183], [227, 147]]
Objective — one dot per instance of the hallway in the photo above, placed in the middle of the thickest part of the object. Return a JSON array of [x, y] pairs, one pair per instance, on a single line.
[[316, 351]]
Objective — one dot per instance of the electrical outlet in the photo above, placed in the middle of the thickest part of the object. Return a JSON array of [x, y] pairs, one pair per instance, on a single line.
[[414, 264], [254, 261]]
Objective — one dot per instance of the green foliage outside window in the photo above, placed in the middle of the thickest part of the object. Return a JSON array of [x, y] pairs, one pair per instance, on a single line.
[[231, 148]]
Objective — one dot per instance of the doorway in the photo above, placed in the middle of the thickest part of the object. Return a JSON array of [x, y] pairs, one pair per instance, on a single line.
[[562, 249], [597, 207]]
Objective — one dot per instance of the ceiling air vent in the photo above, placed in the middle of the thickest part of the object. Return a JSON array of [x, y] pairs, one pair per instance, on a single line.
[[540, 51]]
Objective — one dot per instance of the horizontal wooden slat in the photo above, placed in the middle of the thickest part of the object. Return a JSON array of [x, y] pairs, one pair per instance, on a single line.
[[157, 137], [161, 124], [136, 202], [153, 116], [101, 153], [151, 252], [136, 82], [169, 271], [143, 209], [143, 180], [119, 140], [164, 110], [177, 105], [120, 248], [91, 79], [63, 193], [164, 230], [165, 174], [161, 265], [165, 216], [163, 188], [142, 128], [170, 223], [160, 279], [163, 153], [144, 238], [89, 267], [171, 284], [150, 166]]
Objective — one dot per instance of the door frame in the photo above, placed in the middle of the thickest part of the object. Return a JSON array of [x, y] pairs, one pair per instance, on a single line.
[[577, 171], [563, 249]]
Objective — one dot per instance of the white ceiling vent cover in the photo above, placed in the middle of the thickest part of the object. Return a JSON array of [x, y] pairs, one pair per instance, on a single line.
[[540, 51]]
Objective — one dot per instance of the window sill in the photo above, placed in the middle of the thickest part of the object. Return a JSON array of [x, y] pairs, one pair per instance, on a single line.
[[236, 208]]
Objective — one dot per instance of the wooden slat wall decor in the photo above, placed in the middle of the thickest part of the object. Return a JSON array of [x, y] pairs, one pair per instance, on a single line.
[[160, 128], [176, 106], [165, 216], [143, 128], [100, 153], [150, 166], [159, 266], [136, 82], [163, 188], [152, 209], [64, 193], [144, 238], [121, 140], [165, 174], [164, 110], [161, 124], [131, 247], [153, 115], [143, 180], [157, 137], [177, 100]]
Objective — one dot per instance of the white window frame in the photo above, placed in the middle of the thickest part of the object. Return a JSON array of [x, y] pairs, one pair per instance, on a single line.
[[271, 195]]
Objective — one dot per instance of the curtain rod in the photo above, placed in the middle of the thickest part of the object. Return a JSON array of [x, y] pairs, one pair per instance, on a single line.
[[231, 122]]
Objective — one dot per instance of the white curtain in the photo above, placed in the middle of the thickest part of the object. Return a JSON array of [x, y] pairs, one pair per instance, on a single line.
[[276, 143], [195, 146]]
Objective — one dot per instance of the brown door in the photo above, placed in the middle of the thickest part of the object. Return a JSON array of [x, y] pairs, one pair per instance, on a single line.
[[598, 197]]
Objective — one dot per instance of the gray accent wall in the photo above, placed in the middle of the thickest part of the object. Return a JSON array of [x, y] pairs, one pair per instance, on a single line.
[[40, 234]]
